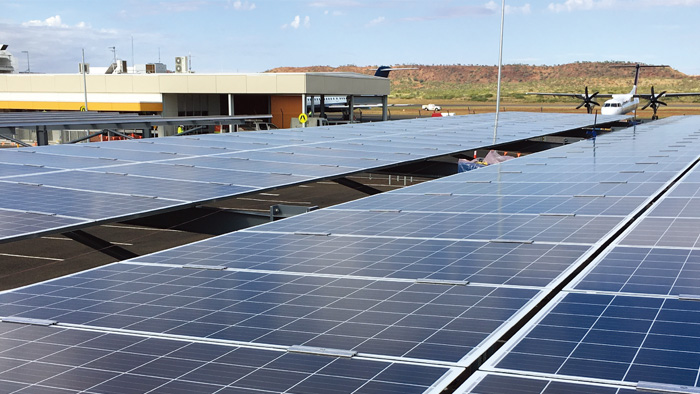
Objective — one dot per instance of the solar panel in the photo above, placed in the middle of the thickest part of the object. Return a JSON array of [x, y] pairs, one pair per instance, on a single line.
[[438, 280], [494, 383], [190, 162], [615, 338], [518, 264], [482, 227], [402, 319], [505, 204], [657, 255], [645, 270], [66, 360]]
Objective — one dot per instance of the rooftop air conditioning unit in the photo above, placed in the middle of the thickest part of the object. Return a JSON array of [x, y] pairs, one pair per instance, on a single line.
[[181, 64]]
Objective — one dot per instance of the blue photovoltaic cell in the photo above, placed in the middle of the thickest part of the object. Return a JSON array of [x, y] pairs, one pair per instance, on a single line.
[[261, 165], [609, 206], [401, 319], [74, 203], [124, 184], [619, 338], [125, 149], [59, 360], [584, 189], [186, 173], [13, 223], [32, 157], [483, 383], [106, 152], [279, 157], [646, 270], [8, 171], [677, 207], [665, 232], [495, 263], [686, 189], [318, 153], [576, 229]]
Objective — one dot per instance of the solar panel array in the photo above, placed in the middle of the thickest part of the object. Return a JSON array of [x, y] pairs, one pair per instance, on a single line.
[[421, 282], [631, 319], [61, 187]]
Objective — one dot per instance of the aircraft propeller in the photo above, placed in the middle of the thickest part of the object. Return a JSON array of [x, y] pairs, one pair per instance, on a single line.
[[588, 101], [654, 102]]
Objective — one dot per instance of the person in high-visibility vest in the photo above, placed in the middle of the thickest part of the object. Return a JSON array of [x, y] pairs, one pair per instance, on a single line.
[[180, 130]]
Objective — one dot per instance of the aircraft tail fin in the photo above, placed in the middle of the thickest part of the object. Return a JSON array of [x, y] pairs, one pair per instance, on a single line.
[[636, 73], [383, 71]]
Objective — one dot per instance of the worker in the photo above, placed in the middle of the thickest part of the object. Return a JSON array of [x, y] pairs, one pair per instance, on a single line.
[[180, 129]]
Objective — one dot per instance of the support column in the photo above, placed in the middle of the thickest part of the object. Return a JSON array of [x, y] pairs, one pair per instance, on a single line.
[[323, 105], [312, 110], [385, 108], [230, 111], [351, 107], [42, 136]]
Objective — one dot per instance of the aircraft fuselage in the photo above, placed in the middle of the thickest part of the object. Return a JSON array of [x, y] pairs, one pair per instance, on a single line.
[[620, 104]]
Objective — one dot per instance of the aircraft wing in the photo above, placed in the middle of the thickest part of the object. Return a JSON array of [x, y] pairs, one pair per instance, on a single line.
[[681, 94], [365, 106], [576, 95]]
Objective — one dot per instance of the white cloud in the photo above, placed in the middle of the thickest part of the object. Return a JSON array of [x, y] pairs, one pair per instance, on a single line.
[[296, 22], [524, 9], [375, 21], [576, 5], [52, 21], [243, 5]]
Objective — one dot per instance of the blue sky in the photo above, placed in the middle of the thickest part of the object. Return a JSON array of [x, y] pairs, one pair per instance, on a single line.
[[257, 35]]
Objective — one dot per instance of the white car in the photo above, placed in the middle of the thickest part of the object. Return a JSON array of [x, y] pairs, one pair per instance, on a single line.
[[432, 107]]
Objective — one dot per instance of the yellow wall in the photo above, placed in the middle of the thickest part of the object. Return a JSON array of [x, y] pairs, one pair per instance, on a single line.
[[65, 106]]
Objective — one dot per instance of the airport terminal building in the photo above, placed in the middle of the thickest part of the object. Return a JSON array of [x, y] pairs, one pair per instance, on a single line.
[[282, 95]]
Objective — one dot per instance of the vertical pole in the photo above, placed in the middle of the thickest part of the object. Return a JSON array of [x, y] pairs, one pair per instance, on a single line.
[[500, 63], [323, 106], [84, 80], [230, 110], [351, 107], [303, 107], [385, 106]]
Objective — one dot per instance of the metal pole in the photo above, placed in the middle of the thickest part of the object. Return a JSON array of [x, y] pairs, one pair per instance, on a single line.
[[500, 62], [84, 80]]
